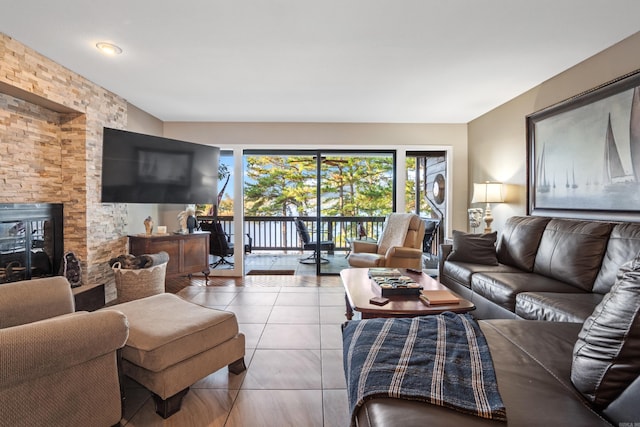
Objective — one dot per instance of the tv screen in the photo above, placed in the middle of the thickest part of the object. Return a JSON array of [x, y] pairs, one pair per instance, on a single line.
[[138, 168]]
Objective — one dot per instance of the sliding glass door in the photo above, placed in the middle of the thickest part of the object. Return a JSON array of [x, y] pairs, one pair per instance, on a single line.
[[312, 203], [355, 193]]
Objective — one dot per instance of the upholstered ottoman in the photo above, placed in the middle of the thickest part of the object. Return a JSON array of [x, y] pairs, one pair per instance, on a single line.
[[173, 343]]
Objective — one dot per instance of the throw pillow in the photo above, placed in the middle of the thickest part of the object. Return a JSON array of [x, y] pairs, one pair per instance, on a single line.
[[474, 248], [606, 356]]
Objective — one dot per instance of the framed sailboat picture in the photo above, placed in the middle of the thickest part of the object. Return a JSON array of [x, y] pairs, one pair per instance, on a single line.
[[584, 154]]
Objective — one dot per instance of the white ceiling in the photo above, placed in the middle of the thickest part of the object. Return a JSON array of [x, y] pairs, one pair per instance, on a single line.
[[396, 61]]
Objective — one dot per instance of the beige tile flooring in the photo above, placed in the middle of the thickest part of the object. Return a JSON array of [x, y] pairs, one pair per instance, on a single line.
[[294, 371]]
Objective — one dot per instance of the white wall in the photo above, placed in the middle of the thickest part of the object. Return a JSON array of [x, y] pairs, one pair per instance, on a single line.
[[498, 139]]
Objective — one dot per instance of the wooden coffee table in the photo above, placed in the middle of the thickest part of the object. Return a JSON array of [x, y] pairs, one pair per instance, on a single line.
[[359, 288]]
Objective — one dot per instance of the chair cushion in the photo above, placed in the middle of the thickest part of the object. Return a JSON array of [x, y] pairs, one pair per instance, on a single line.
[[165, 329], [474, 248], [606, 356], [325, 245]]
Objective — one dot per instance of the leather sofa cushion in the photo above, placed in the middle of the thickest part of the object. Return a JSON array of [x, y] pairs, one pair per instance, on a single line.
[[519, 241], [532, 362], [572, 250], [474, 248], [460, 272], [502, 288], [556, 307], [623, 245], [606, 356]]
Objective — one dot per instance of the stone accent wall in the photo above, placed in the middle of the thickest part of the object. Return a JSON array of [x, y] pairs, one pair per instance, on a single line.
[[51, 124], [30, 158]]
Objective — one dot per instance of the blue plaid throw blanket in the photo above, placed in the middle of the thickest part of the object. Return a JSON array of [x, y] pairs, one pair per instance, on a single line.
[[443, 360]]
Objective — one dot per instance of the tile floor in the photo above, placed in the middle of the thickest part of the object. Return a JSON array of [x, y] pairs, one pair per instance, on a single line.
[[278, 260], [294, 373]]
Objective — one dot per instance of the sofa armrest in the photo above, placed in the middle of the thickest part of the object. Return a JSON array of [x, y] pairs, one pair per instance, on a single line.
[[443, 254], [40, 348], [403, 252], [364, 246], [32, 300]]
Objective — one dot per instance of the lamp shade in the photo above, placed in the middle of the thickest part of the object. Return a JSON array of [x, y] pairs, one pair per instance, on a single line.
[[487, 192]]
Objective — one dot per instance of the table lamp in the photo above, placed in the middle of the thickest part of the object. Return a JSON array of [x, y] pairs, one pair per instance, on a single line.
[[487, 192]]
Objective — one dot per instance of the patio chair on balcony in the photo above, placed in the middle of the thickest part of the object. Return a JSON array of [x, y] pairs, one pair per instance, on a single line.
[[430, 257], [400, 244], [307, 244], [219, 244], [430, 232]]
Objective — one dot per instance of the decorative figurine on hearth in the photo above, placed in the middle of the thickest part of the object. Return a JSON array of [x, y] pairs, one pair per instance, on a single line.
[[148, 225], [71, 269]]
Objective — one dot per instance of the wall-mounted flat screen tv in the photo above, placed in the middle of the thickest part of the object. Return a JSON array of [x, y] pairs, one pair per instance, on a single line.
[[139, 168]]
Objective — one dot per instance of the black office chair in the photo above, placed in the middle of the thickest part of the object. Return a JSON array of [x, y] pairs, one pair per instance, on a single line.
[[430, 232], [307, 244], [430, 260], [219, 244]]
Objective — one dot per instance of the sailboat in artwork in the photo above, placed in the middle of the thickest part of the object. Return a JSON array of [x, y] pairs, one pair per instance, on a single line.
[[542, 183], [613, 172]]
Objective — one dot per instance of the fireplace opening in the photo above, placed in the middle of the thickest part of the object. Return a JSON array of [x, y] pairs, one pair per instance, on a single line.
[[31, 240]]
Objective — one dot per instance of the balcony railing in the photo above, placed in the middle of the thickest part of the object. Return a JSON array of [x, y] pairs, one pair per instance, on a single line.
[[279, 233]]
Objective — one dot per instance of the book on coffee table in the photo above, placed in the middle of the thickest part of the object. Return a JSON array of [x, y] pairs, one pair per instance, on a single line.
[[439, 297], [384, 272]]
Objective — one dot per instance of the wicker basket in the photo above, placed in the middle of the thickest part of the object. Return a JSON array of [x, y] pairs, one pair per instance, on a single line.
[[135, 284]]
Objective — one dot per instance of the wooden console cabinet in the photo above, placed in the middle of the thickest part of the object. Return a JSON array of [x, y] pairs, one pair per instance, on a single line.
[[188, 253]]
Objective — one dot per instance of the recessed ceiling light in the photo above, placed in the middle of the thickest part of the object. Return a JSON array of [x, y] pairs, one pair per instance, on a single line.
[[109, 48]]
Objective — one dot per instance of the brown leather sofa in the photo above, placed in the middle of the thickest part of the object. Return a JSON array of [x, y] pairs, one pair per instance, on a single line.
[[583, 367], [533, 364], [547, 268]]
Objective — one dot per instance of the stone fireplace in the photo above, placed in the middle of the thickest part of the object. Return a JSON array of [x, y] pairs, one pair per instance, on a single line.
[[51, 124]]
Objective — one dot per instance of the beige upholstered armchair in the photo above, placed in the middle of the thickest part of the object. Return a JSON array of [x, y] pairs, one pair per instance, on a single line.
[[57, 367], [399, 245]]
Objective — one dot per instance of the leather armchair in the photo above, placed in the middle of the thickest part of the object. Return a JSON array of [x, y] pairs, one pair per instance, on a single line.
[[400, 244], [57, 367]]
